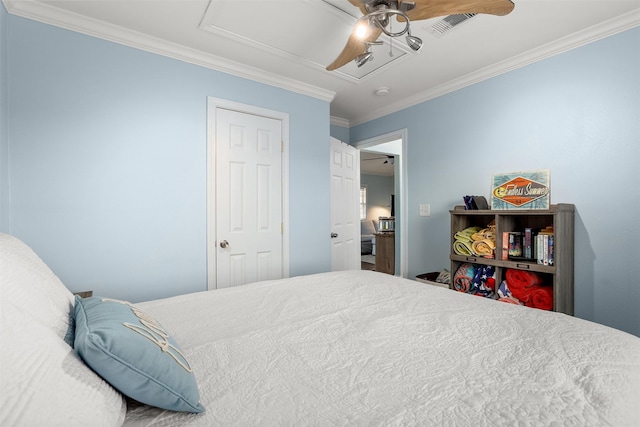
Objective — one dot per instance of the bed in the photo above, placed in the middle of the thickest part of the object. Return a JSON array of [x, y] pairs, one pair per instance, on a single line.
[[340, 348]]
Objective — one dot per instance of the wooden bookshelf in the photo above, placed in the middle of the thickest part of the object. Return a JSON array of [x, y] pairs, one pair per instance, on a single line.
[[560, 274]]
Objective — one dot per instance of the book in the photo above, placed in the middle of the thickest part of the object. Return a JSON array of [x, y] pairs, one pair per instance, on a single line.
[[528, 243], [505, 245], [515, 244], [539, 249], [541, 253], [551, 249]]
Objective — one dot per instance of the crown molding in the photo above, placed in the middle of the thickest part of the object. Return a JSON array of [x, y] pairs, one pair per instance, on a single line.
[[581, 38], [339, 121], [68, 20], [51, 15]]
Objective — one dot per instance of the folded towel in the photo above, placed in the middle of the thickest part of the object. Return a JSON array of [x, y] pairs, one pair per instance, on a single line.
[[463, 278], [462, 248], [475, 241], [466, 233], [462, 237], [528, 288], [522, 278], [542, 297], [521, 284], [471, 230], [484, 247], [485, 233]]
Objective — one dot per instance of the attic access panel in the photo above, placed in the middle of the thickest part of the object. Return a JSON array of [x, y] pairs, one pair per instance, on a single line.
[[308, 31]]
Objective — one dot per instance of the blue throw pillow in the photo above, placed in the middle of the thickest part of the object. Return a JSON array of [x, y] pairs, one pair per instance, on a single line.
[[132, 352]]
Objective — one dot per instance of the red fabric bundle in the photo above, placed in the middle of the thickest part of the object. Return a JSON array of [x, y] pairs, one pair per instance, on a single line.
[[542, 297], [527, 287], [522, 278], [521, 284]]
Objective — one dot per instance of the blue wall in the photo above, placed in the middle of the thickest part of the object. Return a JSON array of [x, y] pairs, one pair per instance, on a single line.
[[379, 191], [4, 135], [339, 132], [577, 114], [103, 150], [107, 150]]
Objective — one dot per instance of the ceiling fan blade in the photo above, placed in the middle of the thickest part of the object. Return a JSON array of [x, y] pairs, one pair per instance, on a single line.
[[354, 47], [426, 9], [360, 5]]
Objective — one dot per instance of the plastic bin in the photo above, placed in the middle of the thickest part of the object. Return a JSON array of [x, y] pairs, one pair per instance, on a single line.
[[430, 278]]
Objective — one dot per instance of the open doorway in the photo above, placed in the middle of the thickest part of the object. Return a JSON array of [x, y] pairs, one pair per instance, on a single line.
[[382, 199]]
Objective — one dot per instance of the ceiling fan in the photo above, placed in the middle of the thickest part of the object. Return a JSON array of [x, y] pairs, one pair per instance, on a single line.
[[387, 159], [377, 15]]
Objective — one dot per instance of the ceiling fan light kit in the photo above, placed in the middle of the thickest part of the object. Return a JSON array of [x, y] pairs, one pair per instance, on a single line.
[[378, 15], [362, 59], [415, 43]]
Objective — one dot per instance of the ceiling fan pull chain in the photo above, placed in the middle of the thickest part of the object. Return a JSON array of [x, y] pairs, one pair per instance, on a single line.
[[390, 40]]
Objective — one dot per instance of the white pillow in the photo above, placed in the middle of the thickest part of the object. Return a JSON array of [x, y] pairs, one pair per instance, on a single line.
[[28, 282], [45, 383]]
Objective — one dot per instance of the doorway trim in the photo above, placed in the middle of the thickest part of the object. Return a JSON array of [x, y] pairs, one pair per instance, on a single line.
[[211, 238], [402, 186]]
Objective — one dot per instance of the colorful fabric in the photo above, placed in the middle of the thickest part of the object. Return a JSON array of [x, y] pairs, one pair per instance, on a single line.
[[463, 278], [504, 294], [483, 282], [475, 279]]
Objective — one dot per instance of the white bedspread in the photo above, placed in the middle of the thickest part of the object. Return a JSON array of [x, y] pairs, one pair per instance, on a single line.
[[363, 348]]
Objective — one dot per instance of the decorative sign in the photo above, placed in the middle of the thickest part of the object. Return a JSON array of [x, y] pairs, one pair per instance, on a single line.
[[520, 190]]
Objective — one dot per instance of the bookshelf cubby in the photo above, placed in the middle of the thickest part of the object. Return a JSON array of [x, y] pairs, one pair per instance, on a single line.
[[560, 216]]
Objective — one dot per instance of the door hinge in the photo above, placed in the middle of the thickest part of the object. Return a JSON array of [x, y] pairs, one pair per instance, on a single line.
[[281, 228], [282, 146]]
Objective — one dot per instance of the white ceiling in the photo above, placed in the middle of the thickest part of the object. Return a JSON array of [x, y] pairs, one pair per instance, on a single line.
[[288, 43]]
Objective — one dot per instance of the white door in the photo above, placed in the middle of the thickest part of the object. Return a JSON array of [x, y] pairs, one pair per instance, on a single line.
[[345, 217], [248, 208]]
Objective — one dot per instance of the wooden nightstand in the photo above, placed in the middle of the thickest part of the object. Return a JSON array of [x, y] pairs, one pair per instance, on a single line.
[[84, 294], [386, 252]]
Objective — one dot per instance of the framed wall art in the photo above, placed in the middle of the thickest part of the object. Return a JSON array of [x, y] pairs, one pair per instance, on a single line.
[[520, 190]]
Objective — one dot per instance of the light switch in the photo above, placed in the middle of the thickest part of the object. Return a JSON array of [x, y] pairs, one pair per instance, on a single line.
[[425, 209]]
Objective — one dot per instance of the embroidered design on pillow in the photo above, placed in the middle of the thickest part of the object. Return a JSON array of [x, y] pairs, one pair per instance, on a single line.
[[135, 354], [152, 330]]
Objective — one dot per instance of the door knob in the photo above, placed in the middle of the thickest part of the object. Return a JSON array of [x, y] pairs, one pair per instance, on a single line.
[[334, 235], [224, 244]]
